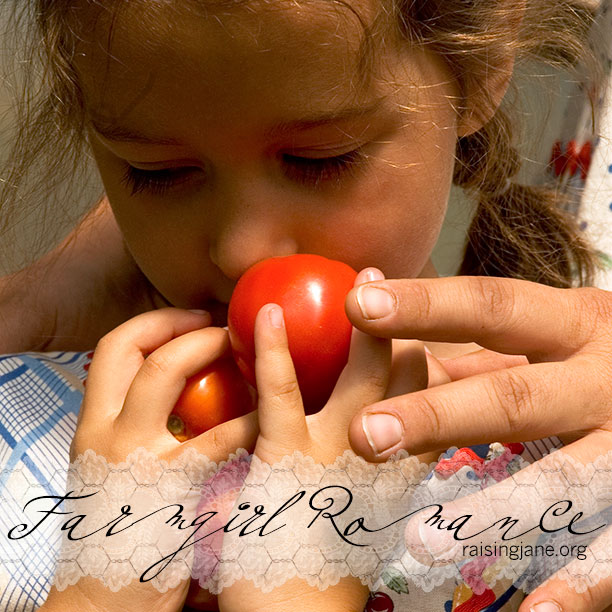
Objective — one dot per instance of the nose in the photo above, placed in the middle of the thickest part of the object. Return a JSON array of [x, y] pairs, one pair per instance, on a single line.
[[251, 225]]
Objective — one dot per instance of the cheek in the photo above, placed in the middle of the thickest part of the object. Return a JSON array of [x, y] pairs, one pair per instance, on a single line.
[[167, 246], [172, 256], [415, 192], [399, 242], [393, 220]]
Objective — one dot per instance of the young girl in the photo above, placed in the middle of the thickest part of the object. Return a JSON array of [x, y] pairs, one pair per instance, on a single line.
[[226, 133]]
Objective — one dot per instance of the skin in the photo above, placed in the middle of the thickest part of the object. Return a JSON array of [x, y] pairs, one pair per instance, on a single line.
[[123, 410], [240, 203], [219, 93], [562, 389]]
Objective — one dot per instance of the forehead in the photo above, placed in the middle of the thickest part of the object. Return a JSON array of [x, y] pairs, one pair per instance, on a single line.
[[231, 58]]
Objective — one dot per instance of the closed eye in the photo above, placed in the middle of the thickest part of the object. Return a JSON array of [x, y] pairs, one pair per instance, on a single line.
[[157, 182], [310, 171], [314, 171]]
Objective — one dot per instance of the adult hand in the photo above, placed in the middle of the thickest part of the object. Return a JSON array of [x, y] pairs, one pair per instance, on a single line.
[[566, 336]]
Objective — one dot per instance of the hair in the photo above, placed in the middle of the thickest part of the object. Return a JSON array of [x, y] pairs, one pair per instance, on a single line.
[[518, 231]]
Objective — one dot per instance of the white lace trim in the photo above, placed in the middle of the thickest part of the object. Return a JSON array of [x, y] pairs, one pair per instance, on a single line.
[[298, 518]]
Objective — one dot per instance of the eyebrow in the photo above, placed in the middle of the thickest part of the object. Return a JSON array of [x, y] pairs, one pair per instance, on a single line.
[[322, 119], [112, 130]]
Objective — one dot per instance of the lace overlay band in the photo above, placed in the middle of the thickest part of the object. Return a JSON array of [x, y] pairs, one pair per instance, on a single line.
[[401, 521]]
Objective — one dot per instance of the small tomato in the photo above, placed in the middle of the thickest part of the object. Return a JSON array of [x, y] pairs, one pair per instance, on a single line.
[[216, 394]]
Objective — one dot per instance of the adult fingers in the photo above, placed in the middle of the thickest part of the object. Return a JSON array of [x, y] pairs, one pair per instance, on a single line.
[[514, 404], [282, 422], [552, 495], [504, 315], [558, 596], [579, 586], [120, 354], [160, 380], [480, 362]]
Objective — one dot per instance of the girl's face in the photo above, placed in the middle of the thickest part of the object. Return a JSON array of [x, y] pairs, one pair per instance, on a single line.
[[249, 133]]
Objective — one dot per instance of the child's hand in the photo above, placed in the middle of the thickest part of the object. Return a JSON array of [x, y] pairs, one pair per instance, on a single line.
[[137, 373], [323, 436], [283, 427]]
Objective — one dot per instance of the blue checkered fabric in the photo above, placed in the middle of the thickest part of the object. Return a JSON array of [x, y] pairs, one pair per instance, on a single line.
[[40, 396]]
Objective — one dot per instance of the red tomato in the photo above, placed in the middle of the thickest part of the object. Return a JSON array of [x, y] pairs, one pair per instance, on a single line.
[[216, 394], [311, 290]]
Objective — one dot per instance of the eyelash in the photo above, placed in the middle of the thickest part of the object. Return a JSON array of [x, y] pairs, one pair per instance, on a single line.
[[314, 171], [304, 170], [155, 182]]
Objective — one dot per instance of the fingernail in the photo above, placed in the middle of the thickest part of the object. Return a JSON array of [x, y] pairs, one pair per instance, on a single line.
[[545, 606], [439, 543], [375, 303], [383, 431], [367, 275], [200, 312], [275, 315], [374, 274]]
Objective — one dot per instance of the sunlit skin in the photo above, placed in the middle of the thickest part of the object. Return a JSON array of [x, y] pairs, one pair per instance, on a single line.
[[220, 107], [207, 96], [236, 111]]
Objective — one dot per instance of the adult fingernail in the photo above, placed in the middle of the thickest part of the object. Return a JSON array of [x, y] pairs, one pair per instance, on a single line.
[[374, 302], [368, 275], [383, 431], [440, 544], [546, 606], [430, 544], [374, 274], [197, 311]]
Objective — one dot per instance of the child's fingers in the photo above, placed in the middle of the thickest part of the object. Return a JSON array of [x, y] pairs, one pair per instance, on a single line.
[[436, 372], [218, 443], [366, 375], [281, 412], [363, 381], [409, 370], [121, 353], [161, 379]]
